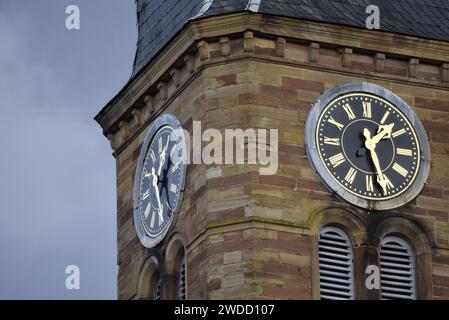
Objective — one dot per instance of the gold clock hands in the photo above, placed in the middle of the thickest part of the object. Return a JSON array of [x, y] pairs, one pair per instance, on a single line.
[[383, 132], [162, 157], [157, 194], [371, 146]]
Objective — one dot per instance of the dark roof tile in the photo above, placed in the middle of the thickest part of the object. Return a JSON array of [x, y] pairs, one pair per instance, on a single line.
[[159, 20]]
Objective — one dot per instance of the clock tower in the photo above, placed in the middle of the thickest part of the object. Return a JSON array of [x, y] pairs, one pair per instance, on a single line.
[[361, 185]]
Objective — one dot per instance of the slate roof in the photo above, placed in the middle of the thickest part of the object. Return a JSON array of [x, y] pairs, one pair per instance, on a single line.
[[159, 20]]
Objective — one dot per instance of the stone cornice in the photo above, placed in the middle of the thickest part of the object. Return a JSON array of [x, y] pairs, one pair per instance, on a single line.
[[186, 55]]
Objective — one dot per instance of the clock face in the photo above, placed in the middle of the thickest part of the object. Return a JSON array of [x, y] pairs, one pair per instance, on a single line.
[[159, 180], [367, 146]]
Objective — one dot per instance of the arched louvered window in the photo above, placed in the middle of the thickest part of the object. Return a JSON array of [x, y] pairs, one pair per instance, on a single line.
[[397, 269], [182, 280], [336, 265]]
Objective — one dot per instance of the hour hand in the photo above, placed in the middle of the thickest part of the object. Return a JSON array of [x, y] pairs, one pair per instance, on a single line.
[[383, 132]]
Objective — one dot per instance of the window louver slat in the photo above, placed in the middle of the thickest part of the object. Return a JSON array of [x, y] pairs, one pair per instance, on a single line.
[[397, 269], [182, 280], [157, 294], [336, 265]]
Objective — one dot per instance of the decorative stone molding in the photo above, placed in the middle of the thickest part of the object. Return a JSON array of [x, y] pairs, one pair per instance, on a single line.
[[123, 132], [225, 46], [163, 90], [174, 74], [112, 140], [281, 44], [190, 63], [204, 50], [412, 66], [379, 62], [248, 42], [151, 95], [138, 116], [346, 57], [314, 52]]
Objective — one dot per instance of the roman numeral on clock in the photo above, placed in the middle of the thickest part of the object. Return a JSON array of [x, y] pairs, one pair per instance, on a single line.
[[152, 155], [335, 123], [159, 142], [404, 152], [349, 112], [350, 176], [145, 194], [369, 183], [366, 109], [389, 184], [398, 133], [384, 118], [337, 159], [399, 169], [175, 167], [173, 188], [332, 141]]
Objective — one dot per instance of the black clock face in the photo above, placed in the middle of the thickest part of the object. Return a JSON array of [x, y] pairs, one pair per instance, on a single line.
[[161, 182], [368, 146]]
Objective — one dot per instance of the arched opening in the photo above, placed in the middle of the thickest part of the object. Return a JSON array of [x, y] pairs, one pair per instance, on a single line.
[[149, 284], [397, 268], [336, 264]]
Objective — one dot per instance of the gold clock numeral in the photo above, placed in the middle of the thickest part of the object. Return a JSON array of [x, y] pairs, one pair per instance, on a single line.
[[404, 152], [399, 169], [369, 183], [337, 124], [332, 141], [366, 109], [398, 133], [337, 159], [153, 216], [161, 213], [384, 118], [160, 144], [389, 184], [349, 111], [145, 194], [175, 167], [173, 188], [152, 155], [350, 176]]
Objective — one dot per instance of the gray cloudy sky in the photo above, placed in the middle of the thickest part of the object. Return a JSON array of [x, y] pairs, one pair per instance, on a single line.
[[57, 175]]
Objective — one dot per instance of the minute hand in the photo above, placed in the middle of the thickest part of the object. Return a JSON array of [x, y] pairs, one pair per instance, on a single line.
[[371, 146]]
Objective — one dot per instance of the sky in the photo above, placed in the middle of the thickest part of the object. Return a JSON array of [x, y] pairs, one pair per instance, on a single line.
[[57, 172]]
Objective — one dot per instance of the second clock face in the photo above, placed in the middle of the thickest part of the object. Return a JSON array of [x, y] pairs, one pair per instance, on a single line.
[[160, 182], [368, 146]]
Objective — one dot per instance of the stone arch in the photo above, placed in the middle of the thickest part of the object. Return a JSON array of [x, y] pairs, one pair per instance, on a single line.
[[149, 275], [409, 230], [349, 220], [175, 252]]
